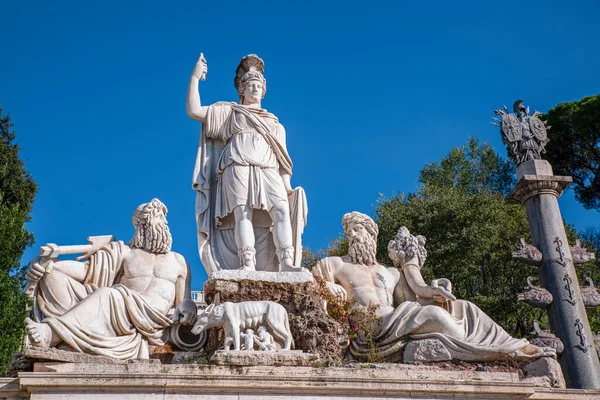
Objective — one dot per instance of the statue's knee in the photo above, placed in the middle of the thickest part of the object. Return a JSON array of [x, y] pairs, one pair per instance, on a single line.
[[281, 210], [436, 314], [56, 279], [242, 213]]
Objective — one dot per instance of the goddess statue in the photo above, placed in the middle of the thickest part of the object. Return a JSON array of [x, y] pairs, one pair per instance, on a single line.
[[247, 213]]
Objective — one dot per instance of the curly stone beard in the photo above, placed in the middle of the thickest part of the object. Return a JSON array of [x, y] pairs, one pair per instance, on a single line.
[[362, 250], [155, 238]]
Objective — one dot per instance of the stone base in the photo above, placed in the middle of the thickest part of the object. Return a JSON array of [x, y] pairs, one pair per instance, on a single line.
[[534, 167], [275, 358], [426, 350], [71, 356], [300, 276], [545, 371], [54, 381], [312, 329]]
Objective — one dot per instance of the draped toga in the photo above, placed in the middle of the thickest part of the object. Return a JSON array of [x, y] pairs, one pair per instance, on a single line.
[[481, 339], [100, 317], [241, 158]]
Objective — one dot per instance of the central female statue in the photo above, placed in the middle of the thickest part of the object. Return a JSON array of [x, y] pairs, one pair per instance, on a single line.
[[243, 155]]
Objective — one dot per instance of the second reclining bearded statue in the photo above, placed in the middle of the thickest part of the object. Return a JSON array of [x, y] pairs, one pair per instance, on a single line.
[[408, 308], [247, 213], [115, 301]]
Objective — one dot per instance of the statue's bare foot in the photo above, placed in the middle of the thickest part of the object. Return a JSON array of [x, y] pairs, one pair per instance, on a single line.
[[39, 333], [532, 351], [286, 265]]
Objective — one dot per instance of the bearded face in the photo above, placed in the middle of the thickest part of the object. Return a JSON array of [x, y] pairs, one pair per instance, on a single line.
[[362, 245], [151, 230], [156, 238]]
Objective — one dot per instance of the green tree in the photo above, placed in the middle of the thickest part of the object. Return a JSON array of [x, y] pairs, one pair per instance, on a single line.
[[574, 147], [17, 191]]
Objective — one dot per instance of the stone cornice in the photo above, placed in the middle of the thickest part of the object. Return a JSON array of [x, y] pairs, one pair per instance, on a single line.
[[534, 185], [357, 381]]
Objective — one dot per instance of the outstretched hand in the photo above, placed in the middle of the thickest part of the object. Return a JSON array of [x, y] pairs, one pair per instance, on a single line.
[[442, 290], [185, 313], [337, 291]]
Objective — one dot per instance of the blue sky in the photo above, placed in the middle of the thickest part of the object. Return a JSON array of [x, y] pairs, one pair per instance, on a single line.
[[368, 92]]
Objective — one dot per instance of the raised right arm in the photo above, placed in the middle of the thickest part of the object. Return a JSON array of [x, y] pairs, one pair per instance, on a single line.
[[193, 107]]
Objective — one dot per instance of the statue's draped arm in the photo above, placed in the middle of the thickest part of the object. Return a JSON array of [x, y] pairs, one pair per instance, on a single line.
[[328, 269], [105, 265], [74, 269], [204, 178], [325, 270], [73, 281]]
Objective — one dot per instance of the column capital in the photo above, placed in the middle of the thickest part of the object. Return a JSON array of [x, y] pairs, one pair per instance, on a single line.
[[534, 185]]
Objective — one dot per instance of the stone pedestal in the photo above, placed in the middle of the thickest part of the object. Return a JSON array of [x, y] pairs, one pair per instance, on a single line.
[[57, 381], [538, 190], [291, 358], [312, 329], [426, 350]]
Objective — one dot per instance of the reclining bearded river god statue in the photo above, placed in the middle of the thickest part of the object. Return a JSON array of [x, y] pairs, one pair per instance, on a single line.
[[247, 213], [408, 308], [115, 302]]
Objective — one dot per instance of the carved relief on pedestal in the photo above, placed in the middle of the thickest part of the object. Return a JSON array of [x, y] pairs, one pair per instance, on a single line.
[[239, 320]]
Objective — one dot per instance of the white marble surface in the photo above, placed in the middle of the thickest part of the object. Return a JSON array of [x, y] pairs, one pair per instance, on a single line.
[[409, 307], [53, 381], [116, 301], [275, 358], [303, 275], [237, 318], [426, 350], [250, 226]]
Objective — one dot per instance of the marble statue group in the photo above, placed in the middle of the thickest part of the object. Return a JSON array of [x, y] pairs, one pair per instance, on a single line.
[[120, 300], [115, 303], [408, 307]]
